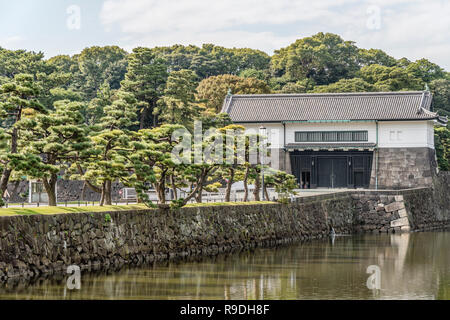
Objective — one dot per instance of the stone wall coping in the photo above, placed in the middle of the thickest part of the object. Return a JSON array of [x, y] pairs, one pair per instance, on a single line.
[[38, 216], [349, 193], [303, 199]]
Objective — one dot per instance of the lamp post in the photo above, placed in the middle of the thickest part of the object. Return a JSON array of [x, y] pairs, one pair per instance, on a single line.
[[262, 133]]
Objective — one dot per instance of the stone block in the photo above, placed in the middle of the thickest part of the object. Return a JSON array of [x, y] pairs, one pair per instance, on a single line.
[[394, 206], [406, 228], [409, 168], [400, 222], [398, 198], [402, 213]]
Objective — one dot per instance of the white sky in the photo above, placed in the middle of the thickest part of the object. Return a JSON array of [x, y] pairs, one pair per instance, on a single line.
[[403, 28]]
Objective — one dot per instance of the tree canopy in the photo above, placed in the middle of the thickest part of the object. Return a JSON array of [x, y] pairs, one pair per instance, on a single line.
[[106, 115], [214, 89], [324, 58]]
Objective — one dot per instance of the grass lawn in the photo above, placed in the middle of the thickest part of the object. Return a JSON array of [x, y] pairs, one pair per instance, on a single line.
[[210, 204], [61, 210]]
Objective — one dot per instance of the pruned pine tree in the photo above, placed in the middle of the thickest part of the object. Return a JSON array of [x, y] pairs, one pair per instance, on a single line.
[[234, 159], [110, 143], [18, 97], [151, 161], [50, 142], [283, 183]]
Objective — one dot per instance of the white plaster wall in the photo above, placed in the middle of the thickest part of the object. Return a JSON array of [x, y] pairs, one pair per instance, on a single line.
[[391, 134], [276, 134], [406, 134]]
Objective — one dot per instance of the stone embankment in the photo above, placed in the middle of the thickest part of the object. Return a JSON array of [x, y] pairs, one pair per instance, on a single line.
[[31, 245]]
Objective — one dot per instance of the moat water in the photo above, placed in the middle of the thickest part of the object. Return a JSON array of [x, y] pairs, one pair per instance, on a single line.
[[412, 266]]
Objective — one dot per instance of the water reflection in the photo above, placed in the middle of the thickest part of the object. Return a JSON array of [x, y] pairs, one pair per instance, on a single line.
[[413, 266]]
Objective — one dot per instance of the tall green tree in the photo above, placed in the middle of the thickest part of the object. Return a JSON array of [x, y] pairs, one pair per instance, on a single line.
[[390, 78], [95, 109], [14, 62], [425, 70], [442, 146], [99, 65], [178, 104], [64, 63], [210, 60], [346, 85], [323, 57], [441, 96], [146, 79], [254, 73], [366, 57]]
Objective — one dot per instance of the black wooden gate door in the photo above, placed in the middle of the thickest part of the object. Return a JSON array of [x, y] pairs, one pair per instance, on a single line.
[[332, 172], [339, 173], [324, 172]]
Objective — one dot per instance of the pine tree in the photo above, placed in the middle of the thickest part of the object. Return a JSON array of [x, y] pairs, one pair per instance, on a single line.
[[17, 98], [145, 78], [178, 105], [50, 142], [110, 144], [151, 161]]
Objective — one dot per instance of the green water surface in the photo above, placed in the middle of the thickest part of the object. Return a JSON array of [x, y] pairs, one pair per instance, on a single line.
[[412, 266]]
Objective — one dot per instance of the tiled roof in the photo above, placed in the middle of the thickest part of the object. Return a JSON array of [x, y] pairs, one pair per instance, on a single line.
[[402, 105]]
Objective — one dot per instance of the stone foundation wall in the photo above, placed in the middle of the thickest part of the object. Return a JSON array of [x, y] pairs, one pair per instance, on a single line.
[[416, 209], [400, 168], [31, 245], [380, 213]]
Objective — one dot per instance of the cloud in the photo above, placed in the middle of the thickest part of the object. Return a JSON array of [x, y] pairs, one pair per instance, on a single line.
[[265, 41], [11, 42], [142, 16], [413, 29]]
